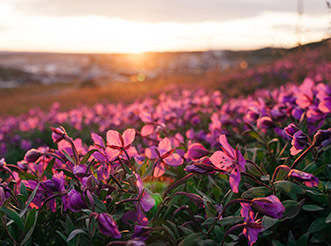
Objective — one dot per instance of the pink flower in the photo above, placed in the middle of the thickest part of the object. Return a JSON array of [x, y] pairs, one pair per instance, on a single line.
[[145, 202], [270, 206], [196, 151], [120, 144], [253, 227], [229, 160], [307, 178], [163, 154]]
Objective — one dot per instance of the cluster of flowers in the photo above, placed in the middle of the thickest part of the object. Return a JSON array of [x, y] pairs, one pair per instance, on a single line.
[[98, 179]]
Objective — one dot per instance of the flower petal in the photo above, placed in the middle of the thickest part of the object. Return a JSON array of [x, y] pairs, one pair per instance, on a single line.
[[234, 180], [226, 146], [129, 136], [174, 160], [147, 201], [113, 138], [164, 146], [222, 161]]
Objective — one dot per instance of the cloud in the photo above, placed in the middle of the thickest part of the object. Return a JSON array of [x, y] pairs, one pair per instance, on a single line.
[[164, 10]]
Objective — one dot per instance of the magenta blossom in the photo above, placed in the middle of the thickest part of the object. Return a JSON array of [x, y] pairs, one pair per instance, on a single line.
[[146, 201], [230, 161], [107, 225], [196, 151], [76, 202], [307, 178], [120, 144], [252, 226], [270, 206], [163, 154], [298, 142], [203, 166], [299, 139]]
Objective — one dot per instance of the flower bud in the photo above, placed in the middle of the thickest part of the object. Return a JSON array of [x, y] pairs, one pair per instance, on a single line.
[[141, 233], [107, 225], [202, 167], [58, 134], [32, 155], [270, 206], [76, 202], [196, 151], [307, 178], [265, 122], [291, 129], [322, 138]]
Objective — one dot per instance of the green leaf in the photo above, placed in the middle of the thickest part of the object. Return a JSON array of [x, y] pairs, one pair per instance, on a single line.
[[30, 223], [75, 233], [311, 208], [303, 240], [68, 157], [30, 218], [190, 240], [289, 187], [255, 192], [292, 208], [14, 216], [230, 220], [170, 233], [185, 230], [157, 198], [23, 190], [317, 225], [209, 208], [328, 219], [219, 233], [49, 167], [67, 173], [31, 197], [173, 227], [87, 156], [208, 221], [62, 236], [276, 243], [101, 207], [253, 134], [268, 222], [27, 176]]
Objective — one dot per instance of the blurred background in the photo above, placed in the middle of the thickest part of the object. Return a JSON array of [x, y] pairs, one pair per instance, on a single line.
[[83, 51]]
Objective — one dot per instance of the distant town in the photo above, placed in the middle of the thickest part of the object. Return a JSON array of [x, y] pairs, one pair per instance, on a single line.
[[25, 68]]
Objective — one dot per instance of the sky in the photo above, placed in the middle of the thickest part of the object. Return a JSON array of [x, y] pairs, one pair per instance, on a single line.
[[133, 26]]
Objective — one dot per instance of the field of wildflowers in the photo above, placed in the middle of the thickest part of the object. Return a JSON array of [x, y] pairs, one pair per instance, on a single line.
[[189, 167]]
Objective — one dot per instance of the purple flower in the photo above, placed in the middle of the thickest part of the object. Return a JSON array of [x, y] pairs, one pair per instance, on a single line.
[[291, 129], [76, 202], [4, 194], [265, 123], [322, 138], [196, 151], [307, 178], [56, 183], [163, 154], [146, 200], [141, 233], [305, 96], [298, 142], [270, 206], [32, 155], [58, 134], [229, 160], [204, 166], [107, 225], [253, 227]]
